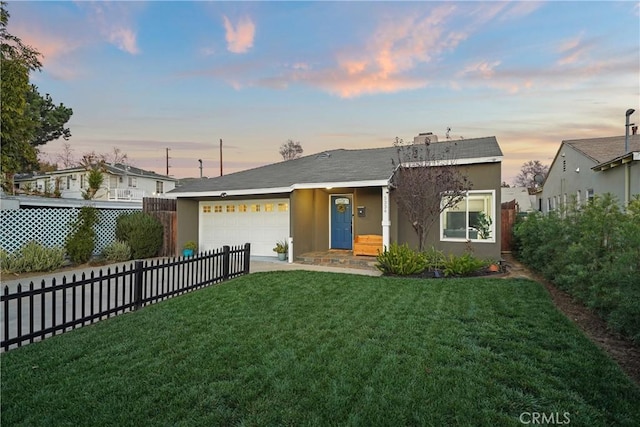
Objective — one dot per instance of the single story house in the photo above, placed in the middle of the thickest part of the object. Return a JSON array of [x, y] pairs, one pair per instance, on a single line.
[[326, 200], [121, 183], [583, 168]]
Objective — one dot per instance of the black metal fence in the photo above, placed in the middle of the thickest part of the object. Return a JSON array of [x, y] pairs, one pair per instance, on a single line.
[[32, 313]]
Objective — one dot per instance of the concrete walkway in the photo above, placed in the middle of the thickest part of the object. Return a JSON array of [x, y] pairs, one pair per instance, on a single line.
[[260, 264]]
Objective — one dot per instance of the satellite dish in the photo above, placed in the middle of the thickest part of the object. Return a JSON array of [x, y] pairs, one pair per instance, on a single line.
[[539, 179]]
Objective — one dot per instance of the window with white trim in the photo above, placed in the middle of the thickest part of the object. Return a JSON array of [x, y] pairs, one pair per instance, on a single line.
[[470, 219], [159, 187], [133, 182]]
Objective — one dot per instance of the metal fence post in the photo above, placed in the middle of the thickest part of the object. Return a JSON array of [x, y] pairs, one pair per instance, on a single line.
[[247, 255], [137, 286], [225, 262]]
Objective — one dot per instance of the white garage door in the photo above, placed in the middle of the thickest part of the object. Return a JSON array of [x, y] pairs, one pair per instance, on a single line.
[[259, 222]]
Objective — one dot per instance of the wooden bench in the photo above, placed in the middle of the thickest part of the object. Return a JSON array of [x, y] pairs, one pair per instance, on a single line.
[[367, 244]]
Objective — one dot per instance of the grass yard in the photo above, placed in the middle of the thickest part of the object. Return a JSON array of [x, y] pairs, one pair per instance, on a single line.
[[309, 348]]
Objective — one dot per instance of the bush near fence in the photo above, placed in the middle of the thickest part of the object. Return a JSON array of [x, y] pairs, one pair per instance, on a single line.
[[592, 252]]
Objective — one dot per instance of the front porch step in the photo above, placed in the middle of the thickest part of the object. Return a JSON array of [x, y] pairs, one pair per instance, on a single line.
[[338, 260]]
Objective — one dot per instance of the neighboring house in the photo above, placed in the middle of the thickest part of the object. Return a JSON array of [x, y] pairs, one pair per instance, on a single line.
[[583, 168], [324, 201], [524, 200], [121, 182]]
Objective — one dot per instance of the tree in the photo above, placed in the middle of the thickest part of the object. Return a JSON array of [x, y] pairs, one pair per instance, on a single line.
[[427, 181], [528, 173], [27, 118], [95, 166], [65, 156], [48, 119], [290, 150], [116, 156]]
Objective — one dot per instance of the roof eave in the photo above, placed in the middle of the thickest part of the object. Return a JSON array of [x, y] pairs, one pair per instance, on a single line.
[[618, 161], [279, 190]]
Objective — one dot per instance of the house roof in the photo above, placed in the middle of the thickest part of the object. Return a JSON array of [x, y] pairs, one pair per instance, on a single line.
[[122, 169], [602, 150], [113, 169], [364, 167]]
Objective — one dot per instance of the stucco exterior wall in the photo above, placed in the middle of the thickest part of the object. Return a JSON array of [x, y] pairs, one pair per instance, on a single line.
[[563, 179], [613, 181], [485, 176], [310, 216], [188, 222], [371, 200]]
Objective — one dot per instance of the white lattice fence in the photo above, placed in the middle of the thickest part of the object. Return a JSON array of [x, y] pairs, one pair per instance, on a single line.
[[50, 226]]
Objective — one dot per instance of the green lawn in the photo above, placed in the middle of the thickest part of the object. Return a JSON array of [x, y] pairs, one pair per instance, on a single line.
[[308, 348]]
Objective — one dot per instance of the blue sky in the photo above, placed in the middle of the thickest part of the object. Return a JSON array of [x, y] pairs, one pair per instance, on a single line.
[[146, 76]]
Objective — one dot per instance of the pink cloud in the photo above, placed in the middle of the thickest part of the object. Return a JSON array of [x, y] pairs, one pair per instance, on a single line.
[[113, 21], [239, 38], [381, 66], [124, 39], [573, 51]]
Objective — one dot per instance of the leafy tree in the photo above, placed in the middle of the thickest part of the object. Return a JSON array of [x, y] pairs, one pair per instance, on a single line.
[[427, 182], [17, 129], [49, 120], [528, 172], [290, 150], [27, 118], [12, 48], [95, 166]]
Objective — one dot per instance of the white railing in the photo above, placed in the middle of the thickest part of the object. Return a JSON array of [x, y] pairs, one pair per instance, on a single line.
[[131, 194]]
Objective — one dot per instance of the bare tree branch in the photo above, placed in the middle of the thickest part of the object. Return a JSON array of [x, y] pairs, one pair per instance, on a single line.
[[290, 150], [427, 181]]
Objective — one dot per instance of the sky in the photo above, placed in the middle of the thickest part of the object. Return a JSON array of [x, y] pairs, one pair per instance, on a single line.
[[144, 77]]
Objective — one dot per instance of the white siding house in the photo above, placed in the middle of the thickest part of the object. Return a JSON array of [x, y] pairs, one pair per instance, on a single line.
[[121, 182]]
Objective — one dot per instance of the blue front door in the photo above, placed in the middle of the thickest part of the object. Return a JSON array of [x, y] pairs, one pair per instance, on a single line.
[[341, 237]]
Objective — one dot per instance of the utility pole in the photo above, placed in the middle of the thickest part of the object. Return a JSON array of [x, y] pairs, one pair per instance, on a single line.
[[220, 156], [167, 149]]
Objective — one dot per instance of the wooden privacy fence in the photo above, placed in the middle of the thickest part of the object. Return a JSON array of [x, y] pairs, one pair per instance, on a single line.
[[32, 313], [165, 211], [509, 212]]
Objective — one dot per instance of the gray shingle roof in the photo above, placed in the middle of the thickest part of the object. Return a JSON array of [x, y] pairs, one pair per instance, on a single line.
[[335, 166], [601, 150]]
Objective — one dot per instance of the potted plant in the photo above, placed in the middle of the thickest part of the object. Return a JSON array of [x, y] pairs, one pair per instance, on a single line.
[[282, 248], [189, 248], [483, 226]]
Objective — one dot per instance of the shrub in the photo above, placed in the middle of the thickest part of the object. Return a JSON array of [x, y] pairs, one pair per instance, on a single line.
[[81, 242], [33, 256], [142, 232], [80, 245], [463, 265], [435, 259], [592, 252], [117, 252], [401, 260]]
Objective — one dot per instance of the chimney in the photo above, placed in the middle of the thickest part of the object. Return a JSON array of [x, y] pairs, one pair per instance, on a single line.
[[634, 130], [422, 137]]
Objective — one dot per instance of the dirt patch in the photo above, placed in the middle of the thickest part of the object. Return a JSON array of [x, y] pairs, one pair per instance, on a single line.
[[621, 349]]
